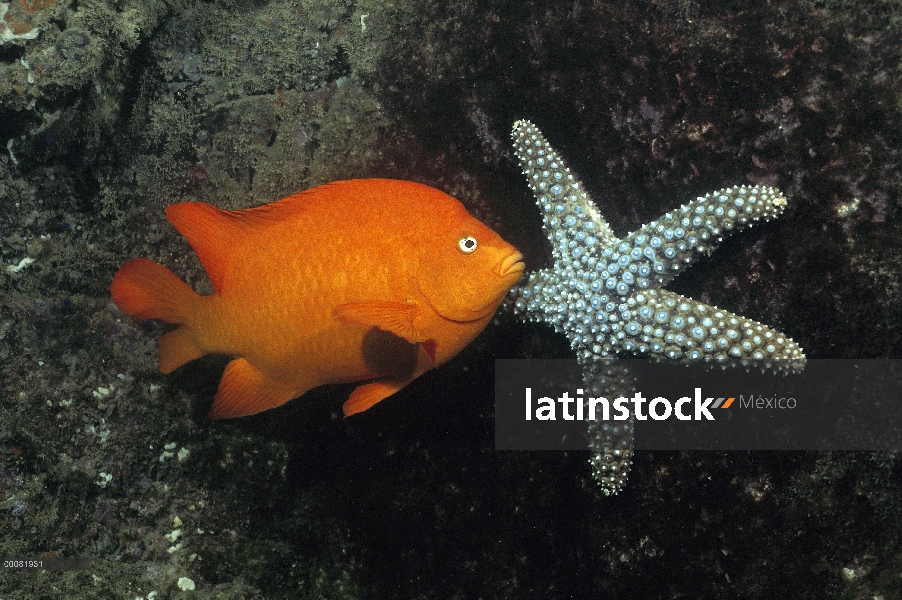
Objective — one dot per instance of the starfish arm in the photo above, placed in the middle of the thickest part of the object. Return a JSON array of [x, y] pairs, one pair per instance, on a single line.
[[666, 325], [540, 299], [569, 216], [610, 442], [669, 244]]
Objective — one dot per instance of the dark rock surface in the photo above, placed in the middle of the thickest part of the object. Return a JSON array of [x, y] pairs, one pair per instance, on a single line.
[[115, 110]]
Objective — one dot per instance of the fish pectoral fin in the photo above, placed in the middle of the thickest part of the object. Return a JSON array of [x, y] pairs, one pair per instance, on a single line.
[[394, 317], [244, 390]]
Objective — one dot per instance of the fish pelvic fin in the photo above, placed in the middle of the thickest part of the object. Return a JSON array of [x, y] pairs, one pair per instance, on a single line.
[[245, 390], [368, 394], [365, 396], [430, 346]]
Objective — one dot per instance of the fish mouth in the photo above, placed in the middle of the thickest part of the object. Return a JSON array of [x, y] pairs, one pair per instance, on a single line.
[[510, 265]]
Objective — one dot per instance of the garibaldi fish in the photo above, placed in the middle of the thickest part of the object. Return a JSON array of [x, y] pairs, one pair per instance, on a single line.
[[369, 280]]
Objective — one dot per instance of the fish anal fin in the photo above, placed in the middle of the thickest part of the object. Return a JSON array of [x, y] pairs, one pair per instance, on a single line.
[[244, 390], [394, 317], [177, 348]]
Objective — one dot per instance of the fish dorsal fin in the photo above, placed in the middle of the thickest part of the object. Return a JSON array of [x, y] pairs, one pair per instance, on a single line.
[[212, 233], [217, 235], [394, 317]]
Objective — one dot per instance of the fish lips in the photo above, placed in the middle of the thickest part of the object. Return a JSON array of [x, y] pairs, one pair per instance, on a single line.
[[510, 264]]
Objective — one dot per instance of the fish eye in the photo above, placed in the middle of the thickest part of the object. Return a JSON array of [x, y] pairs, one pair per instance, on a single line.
[[467, 244]]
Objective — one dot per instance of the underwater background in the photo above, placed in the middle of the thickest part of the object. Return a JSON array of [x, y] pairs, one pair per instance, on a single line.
[[112, 110]]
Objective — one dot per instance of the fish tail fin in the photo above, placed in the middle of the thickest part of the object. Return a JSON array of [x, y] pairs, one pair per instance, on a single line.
[[177, 348], [147, 290]]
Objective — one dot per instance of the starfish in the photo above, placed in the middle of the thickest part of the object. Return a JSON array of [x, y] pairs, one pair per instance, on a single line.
[[606, 294]]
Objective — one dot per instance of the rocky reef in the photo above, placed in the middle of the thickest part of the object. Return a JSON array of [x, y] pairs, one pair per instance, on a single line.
[[110, 111]]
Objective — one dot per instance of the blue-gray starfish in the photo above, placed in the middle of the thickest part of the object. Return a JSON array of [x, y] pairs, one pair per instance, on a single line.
[[607, 294]]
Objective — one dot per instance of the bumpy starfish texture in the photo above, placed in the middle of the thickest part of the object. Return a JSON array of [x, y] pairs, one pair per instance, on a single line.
[[606, 294]]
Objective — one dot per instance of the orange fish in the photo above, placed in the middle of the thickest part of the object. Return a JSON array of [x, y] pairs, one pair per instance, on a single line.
[[369, 279]]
